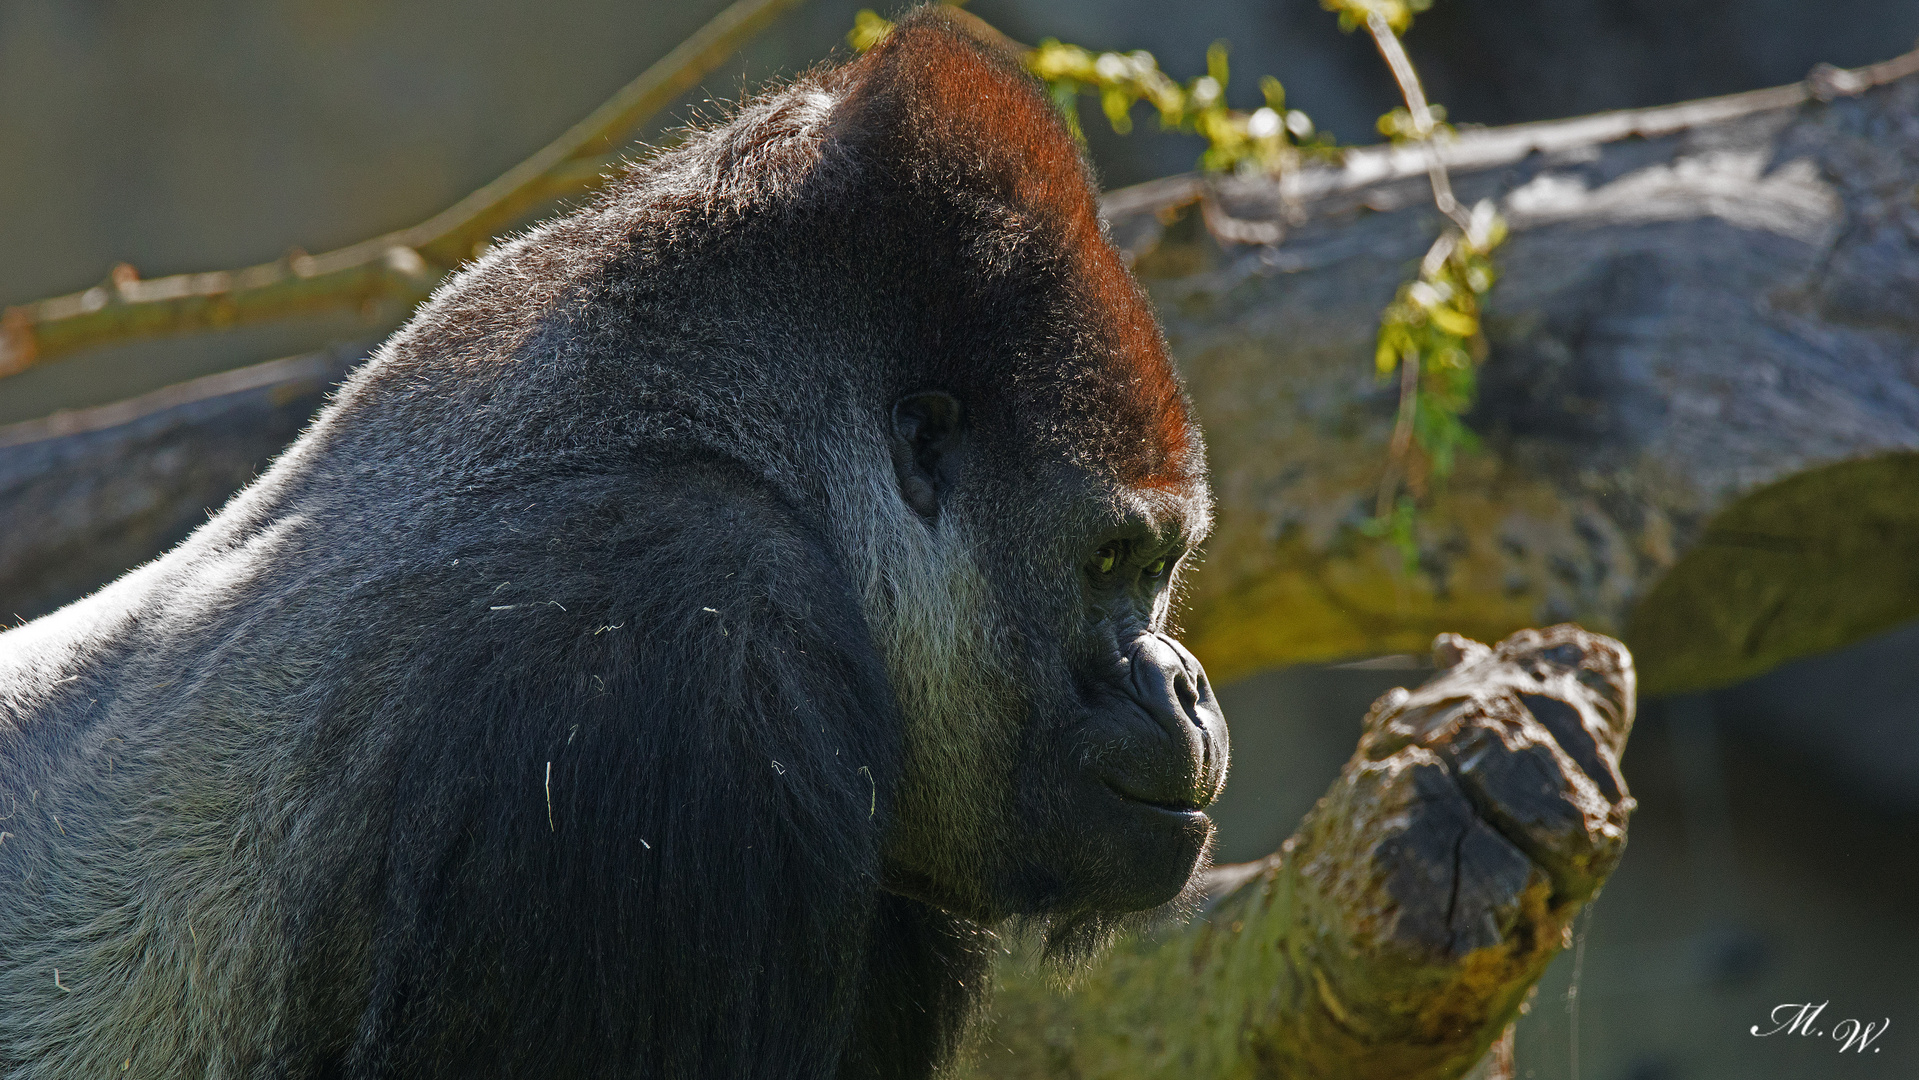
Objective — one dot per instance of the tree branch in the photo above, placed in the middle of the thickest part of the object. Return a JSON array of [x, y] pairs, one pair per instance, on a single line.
[[400, 266], [1697, 302]]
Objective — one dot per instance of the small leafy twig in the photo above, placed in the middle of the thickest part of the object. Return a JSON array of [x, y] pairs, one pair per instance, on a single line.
[[1418, 121], [1431, 331], [1431, 334], [401, 266], [1268, 139]]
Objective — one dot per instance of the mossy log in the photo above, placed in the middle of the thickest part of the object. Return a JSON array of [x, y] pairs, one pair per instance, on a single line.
[[1398, 932], [1696, 417]]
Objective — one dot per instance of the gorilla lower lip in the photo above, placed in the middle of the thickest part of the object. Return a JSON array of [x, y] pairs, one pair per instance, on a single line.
[[1171, 806]]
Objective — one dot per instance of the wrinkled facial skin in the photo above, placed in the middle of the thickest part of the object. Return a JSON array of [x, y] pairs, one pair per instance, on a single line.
[[1117, 742]]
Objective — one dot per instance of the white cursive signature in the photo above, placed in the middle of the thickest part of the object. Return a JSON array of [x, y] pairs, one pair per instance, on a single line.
[[1800, 1018]]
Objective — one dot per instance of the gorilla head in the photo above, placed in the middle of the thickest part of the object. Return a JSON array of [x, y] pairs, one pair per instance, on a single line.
[[668, 655], [1060, 746], [898, 273]]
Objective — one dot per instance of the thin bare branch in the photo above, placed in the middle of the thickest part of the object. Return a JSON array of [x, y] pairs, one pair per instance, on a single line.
[[399, 267], [1401, 445], [1422, 114]]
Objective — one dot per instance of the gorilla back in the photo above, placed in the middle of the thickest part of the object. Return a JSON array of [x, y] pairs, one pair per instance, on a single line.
[[670, 655]]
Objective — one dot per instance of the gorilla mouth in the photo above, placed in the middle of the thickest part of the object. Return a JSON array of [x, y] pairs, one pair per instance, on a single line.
[[1185, 808]]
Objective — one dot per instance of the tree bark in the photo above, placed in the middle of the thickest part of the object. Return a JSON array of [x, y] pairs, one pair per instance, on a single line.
[[1397, 933], [87, 495]]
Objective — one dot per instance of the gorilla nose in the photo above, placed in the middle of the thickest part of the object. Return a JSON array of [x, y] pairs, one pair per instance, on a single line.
[[1169, 685]]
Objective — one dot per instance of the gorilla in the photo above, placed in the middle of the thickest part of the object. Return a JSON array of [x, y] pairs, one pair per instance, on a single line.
[[674, 654]]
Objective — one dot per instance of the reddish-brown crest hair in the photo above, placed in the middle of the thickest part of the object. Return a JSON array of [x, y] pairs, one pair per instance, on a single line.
[[965, 116]]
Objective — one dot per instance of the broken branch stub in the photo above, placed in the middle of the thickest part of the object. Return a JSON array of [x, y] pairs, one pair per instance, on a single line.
[[1399, 929]]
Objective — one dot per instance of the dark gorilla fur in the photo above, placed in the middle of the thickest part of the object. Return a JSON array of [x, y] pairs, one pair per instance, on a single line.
[[669, 656]]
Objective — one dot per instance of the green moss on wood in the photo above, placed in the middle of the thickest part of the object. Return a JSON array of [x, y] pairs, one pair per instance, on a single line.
[[1814, 562]]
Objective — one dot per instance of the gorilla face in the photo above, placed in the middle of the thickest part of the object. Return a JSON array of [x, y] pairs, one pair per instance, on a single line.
[[1084, 793], [1118, 774]]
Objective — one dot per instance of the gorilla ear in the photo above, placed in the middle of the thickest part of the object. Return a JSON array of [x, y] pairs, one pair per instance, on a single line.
[[928, 430]]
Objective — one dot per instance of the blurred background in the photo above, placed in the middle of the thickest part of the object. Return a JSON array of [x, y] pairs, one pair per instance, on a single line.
[[1773, 855], [192, 135]]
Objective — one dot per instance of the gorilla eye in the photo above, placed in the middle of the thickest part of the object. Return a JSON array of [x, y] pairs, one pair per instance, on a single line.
[[1106, 559], [1157, 568]]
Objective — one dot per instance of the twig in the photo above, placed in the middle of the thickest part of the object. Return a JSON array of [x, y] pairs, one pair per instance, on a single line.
[[1402, 443], [1421, 112], [400, 266], [1397, 466], [1481, 149]]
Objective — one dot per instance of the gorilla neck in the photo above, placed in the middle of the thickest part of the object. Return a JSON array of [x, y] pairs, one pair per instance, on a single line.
[[925, 973]]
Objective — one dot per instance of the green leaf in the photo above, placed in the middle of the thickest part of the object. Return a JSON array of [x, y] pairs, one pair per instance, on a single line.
[[1275, 94], [1065, 94], [1116, 103], [869, 29], [1454, 322]]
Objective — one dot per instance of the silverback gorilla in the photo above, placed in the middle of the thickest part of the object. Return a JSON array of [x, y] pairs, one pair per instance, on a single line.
[[669, 656]]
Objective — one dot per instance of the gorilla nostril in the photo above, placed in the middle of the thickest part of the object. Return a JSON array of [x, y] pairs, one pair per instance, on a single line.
[[1168, 685], [1188, 698]]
